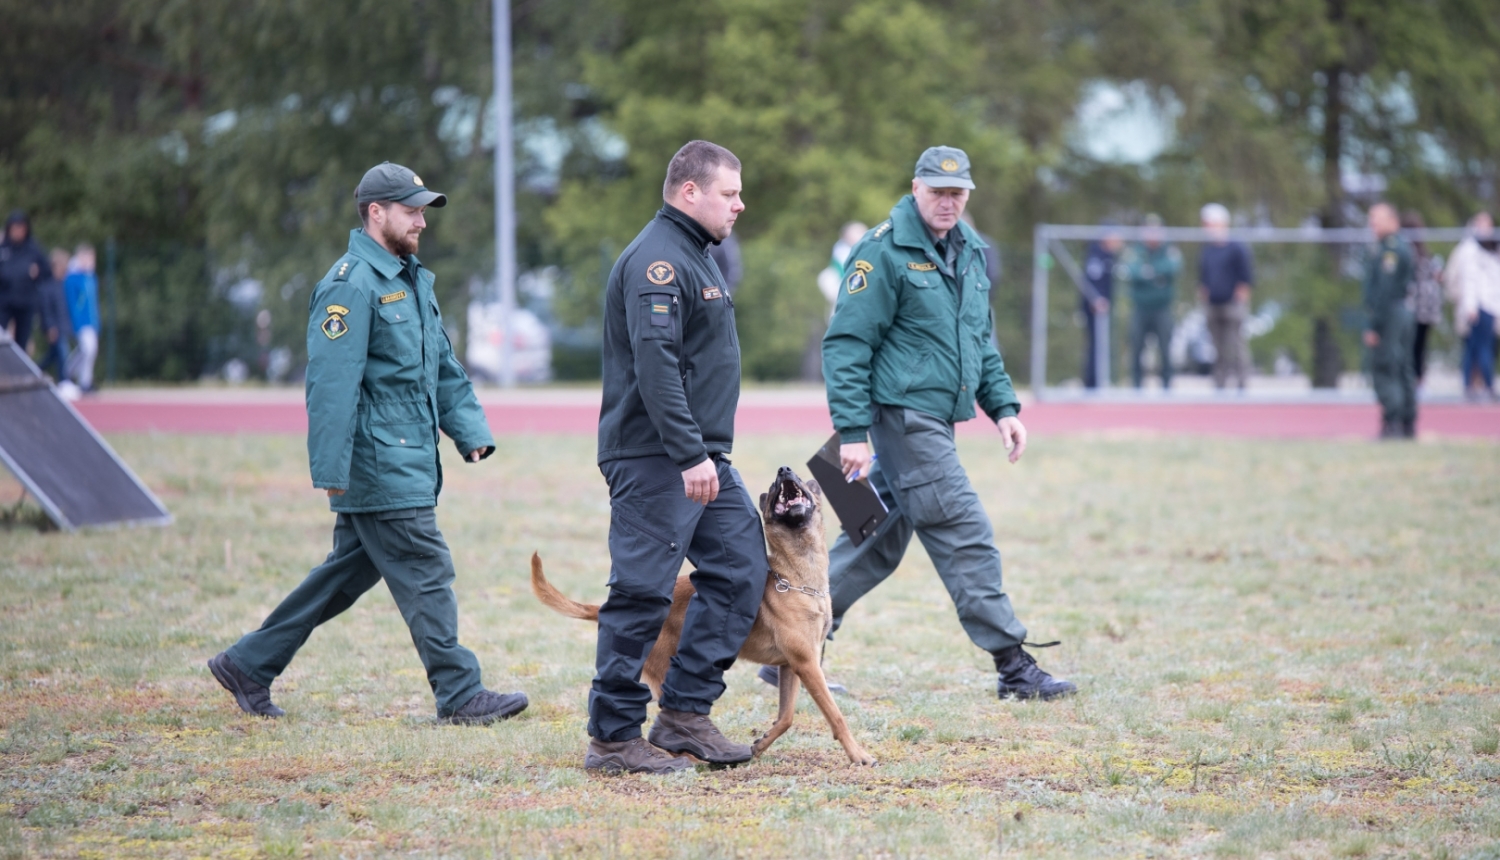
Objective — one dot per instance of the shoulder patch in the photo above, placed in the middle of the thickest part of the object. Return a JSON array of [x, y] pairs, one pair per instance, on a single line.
[[922, 267], [392, 297], [661, 273], [334, 327], [337, 309], [882, 229], [856, 282]]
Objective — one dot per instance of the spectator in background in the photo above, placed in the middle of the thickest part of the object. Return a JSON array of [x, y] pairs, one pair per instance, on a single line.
[[1097, 301], [1473, 281], [832, 277], [1224, 279], [1151, 267], [1425, 297], [23, 264], [82, 291], [727, 255], [1388, 325], [56, 327]]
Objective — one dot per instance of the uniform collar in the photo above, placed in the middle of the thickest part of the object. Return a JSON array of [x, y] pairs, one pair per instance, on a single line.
[[688, 225], [381, 260], [909, 231]]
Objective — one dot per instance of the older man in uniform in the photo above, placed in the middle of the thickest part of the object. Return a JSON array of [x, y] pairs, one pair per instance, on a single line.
[[671, 386], [382, 380], [1389, 327], [906, 354]]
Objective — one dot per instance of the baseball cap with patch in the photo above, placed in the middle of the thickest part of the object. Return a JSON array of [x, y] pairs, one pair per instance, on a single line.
[[392, 182], [944, 167]]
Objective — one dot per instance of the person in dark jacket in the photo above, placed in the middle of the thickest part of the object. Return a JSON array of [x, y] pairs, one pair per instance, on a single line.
[[1225, 278], [57, 328], [382, 380], [1097, 302], [671, 387], [23, 265]]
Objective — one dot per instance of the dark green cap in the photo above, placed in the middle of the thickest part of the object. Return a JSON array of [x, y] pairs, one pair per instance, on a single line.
[[392, 182], [944, 167]]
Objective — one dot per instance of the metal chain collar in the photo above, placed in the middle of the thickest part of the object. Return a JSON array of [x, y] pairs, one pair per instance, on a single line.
[[783, 586]]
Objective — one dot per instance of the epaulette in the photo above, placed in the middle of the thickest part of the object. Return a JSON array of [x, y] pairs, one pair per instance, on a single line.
[[342, 269], [881, 230]]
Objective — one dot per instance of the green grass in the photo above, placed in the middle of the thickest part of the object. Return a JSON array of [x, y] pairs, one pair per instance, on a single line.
[[1285, 649]]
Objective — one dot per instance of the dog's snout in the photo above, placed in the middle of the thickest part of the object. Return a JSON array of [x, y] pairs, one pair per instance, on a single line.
[[785, 472]]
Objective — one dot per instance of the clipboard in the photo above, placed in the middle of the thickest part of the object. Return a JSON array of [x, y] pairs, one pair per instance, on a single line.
[[858, 506]]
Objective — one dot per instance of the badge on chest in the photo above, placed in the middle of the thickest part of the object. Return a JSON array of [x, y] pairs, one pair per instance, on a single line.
[[711, 293]]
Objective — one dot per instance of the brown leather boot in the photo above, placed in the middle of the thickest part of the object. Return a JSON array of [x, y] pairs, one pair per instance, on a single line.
[[695, 734], [632, 756]]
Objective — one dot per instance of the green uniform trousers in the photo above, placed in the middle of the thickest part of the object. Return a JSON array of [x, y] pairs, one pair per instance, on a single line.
[[928, 493], [405, 549], [1392, 371], [1157, 322]]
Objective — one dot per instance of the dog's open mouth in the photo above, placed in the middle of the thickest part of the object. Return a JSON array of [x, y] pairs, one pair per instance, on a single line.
[[792, 501]]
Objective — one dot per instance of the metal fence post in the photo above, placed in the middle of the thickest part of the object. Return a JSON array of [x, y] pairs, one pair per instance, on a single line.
[[1039, 269]]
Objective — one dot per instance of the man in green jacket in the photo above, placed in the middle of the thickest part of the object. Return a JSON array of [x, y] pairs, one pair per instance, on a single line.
[[1150, 268], [907, 353], [381, 382], [1389, 328]]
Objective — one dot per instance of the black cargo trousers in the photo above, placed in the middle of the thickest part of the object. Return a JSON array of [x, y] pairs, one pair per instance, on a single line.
[[652, 527]]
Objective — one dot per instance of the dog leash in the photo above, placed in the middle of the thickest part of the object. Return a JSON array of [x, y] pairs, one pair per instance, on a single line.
[[783, 586]]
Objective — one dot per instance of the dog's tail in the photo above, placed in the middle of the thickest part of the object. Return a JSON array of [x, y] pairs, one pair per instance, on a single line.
[[556, 600]]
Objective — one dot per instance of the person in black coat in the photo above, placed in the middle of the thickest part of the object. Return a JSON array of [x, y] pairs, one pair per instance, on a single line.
[[23, 265]]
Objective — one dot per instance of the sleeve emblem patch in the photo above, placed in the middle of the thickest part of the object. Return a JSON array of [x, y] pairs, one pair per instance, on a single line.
[[393, 297], [922, 267], [661, 273], [338, 309], [857, 279], [711, 293], [661, 308], [334, 327]]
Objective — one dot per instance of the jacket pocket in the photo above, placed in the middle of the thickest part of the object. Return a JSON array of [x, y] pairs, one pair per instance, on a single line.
[[396, 337], [404, 458], [914, 370], [408, 533]]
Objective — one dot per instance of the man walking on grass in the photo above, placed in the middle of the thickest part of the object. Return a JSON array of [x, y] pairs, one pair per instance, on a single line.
[[906, 354], [382, 380]]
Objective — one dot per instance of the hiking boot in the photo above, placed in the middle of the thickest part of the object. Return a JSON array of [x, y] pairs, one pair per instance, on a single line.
[[772, 675], [252, 697], [632, 756], [695, 734], [1409, 428], [1022, 678], [487, 707]]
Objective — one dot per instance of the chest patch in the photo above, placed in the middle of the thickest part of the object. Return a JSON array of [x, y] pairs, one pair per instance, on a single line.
[[922, 267], [393, 297], [711, 293], [661, 273], [1388, 262]]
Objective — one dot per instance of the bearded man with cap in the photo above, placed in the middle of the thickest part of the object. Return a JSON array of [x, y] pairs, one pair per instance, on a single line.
[[382, 380], [907, 353]]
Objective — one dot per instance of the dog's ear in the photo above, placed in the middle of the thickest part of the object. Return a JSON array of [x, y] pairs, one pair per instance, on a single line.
[[763, 500], [812, 486]]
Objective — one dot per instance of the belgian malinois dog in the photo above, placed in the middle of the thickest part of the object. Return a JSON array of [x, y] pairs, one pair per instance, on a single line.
[[796, 612]]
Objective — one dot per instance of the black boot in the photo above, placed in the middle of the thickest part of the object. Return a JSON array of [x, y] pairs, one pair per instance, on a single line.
[[1391, 430], [251, 697], [1022, 678], [1409, 428]]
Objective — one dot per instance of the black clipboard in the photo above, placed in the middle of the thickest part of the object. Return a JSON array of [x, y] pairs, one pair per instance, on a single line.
[[858, 506]]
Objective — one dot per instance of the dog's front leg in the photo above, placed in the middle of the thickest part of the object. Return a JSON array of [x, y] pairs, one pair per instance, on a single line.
[[817, 687], [784, 714]]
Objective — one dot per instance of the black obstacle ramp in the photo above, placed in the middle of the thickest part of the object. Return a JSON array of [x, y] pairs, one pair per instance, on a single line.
[[59, 459]]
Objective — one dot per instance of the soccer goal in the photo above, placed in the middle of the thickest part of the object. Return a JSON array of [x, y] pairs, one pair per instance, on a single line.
[[1303, 328]]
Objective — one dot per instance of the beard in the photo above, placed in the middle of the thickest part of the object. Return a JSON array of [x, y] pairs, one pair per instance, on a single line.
[[403, 244]]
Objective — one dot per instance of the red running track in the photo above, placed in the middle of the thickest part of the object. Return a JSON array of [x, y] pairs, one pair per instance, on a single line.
[[575, 415]]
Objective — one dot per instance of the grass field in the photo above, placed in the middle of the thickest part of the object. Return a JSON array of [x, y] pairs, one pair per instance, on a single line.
[[1284, 649]]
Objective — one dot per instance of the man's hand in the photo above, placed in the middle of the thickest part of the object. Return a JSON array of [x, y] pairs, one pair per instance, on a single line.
[[1242, 293], [332, 493], [478, 453], [701, 483], [855, 458], [1372, 339], [1013, 434]]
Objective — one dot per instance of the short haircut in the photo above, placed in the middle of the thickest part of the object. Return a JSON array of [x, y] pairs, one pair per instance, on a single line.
[[364, 209], [696, 162], [1214, 213]]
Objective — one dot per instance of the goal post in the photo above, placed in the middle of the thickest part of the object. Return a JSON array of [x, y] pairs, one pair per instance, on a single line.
[[1050, 251]]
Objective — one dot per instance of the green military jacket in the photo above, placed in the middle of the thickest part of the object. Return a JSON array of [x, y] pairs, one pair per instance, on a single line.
[[1388, 273], [910, 330], [381, 381], [1151, 274]]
